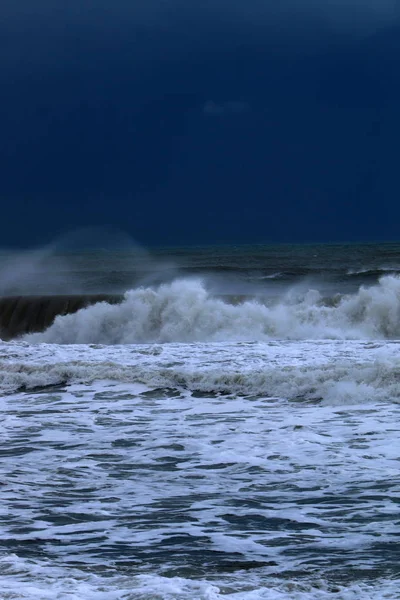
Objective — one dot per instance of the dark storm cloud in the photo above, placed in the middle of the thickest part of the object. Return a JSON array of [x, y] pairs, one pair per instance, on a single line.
[[231, 107], [127, 17], [220, 116], [45, 35], [162, 12]]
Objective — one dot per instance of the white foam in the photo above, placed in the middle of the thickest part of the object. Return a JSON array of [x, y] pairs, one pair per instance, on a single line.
[[184, 311], [330, 371], [31, 580], [296, 487], [374, 269]]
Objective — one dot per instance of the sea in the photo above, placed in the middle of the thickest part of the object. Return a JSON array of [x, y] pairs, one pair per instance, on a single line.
[[230, 429]]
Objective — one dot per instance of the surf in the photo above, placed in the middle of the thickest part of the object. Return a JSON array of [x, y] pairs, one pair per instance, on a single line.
[[185, 311]]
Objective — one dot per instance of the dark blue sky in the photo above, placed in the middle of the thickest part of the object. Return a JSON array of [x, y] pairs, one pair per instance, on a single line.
[[200, 122]]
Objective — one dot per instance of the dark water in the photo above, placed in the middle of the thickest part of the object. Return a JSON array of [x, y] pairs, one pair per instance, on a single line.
[[28, 314], [236, 269], [39, 285], [231, 433]]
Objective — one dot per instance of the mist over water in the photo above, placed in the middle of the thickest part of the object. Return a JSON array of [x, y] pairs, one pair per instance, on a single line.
[[92, 260], [227, 429], [184, 311], [208, 294]]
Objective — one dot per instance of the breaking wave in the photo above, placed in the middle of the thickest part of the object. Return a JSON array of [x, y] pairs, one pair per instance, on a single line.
[[373, 271], [184, 311], [333, 371]]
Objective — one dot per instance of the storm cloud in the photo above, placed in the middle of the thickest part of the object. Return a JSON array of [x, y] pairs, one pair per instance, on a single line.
[[263, 116]]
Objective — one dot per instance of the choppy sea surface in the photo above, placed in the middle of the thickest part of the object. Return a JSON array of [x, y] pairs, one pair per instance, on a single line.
[[229, 430]]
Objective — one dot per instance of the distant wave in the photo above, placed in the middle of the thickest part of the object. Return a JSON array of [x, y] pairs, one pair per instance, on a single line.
[[264, 277], [185, 311], [373, 271]]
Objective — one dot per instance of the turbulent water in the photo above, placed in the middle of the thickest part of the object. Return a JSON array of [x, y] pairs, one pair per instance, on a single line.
[[228, 430]]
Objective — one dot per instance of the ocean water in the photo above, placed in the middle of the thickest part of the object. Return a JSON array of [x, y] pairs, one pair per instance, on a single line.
[[229, 430]]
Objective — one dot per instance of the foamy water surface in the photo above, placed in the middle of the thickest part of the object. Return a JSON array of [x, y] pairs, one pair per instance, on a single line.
[[229, 430], [242, 470]]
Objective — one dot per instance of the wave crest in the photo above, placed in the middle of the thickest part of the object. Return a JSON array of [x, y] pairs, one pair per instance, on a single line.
[[184, 311]]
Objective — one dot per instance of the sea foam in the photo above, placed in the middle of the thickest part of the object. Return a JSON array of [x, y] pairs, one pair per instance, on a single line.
[[185, 311], [334, 372]]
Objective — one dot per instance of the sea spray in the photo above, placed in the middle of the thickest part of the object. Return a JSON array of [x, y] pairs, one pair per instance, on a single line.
[[184, 311]]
